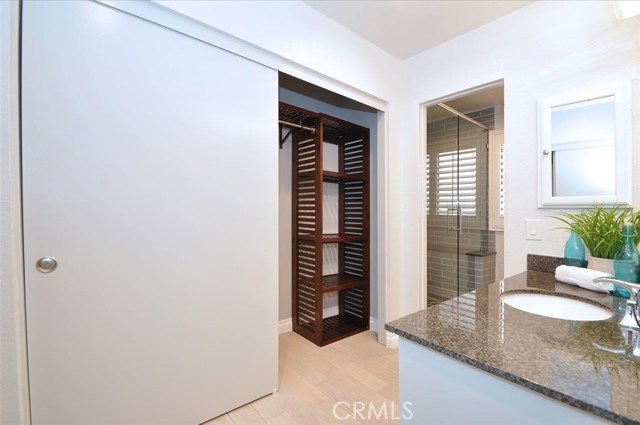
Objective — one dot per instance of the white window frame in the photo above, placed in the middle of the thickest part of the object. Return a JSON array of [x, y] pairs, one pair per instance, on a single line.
[[621, 93], [496, 141]]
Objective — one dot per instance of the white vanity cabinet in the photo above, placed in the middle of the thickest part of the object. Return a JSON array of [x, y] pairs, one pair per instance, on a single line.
[[444, 391]]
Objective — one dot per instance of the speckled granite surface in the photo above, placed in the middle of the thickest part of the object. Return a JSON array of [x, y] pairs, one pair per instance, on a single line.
[[543, 263], [554, 357]]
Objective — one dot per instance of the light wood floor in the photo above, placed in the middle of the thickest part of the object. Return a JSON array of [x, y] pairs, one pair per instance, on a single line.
[[313, 379]]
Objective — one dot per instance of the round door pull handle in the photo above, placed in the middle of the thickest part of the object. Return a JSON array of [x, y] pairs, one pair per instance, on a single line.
[[46, 264]]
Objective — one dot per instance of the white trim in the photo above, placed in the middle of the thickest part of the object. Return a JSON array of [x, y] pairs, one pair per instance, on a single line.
[[496, 138], [384, 225], [14, 385], [423, 210], [373, 324]]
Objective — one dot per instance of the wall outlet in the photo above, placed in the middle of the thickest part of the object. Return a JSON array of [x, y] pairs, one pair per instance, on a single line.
[[534, 232]]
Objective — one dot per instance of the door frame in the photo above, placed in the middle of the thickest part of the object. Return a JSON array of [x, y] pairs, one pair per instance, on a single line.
[[423, 152], [13, 363], [11, 240]]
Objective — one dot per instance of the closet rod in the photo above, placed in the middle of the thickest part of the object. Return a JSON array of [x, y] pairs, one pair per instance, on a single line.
[[300, 126]]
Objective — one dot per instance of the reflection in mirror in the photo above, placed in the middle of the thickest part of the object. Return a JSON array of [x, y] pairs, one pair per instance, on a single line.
[[582, 148]]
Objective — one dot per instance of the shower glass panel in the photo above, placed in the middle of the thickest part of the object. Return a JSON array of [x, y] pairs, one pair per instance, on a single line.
[[460, 248]]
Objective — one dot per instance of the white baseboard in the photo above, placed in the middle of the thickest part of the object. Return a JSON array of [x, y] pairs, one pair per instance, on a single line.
[[286, 325], [373, 324]]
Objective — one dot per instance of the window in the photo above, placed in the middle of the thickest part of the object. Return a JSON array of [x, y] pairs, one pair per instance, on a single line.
[[456, 181], [496, 180]]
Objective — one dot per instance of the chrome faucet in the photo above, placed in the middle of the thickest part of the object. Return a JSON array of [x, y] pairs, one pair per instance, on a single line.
[[629, 324], [631, 313]]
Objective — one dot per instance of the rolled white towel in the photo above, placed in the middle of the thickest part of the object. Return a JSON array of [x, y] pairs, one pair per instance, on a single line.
[[583, 278]]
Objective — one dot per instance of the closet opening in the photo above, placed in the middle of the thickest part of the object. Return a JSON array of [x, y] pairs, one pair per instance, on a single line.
[[328, 282], [464, 194]]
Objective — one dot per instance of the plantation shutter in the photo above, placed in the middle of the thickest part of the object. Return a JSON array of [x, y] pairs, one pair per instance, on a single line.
[[456, 181], [428, 177], [501, 192]]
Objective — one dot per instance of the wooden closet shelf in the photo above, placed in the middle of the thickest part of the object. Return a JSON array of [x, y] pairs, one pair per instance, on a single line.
[[333, 176], [334, 238], [341, 326], [338, 282], [335, 130], [297, 115]]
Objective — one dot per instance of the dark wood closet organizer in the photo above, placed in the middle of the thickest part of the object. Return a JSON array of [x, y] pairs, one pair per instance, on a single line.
[[352, 280]]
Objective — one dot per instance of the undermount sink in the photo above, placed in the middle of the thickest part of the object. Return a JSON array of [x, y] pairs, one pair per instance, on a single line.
[[556, 306]]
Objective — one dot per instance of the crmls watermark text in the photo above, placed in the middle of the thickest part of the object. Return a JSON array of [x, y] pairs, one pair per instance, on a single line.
[[369, 410]]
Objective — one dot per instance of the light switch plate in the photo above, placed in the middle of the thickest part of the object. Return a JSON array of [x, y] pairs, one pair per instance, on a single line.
[[534, 232]]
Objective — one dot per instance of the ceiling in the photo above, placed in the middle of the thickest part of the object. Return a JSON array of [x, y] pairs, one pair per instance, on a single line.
[[405, 28]]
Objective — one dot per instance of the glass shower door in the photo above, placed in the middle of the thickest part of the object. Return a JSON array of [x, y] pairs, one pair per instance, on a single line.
[[457, 205]]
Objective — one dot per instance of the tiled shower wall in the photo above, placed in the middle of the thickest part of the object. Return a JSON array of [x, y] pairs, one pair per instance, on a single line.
[[477, 244]]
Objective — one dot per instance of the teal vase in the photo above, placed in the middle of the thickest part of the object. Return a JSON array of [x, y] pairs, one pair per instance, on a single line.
[[626, 263], [574, 251]]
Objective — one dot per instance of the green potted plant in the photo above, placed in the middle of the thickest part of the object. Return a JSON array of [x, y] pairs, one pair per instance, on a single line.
[[600, 229]]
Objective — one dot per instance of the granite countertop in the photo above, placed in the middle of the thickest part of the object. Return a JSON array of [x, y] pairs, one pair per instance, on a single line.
[[554, 357]]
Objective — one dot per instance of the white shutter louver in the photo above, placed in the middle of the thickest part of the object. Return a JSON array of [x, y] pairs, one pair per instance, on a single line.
[[501, 193], [456, 185], [427, 174]]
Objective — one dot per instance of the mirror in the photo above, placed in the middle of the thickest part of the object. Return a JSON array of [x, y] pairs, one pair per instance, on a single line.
[[584, 148]]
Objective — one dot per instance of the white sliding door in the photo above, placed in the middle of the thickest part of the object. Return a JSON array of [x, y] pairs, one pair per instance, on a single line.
[[150, 175]]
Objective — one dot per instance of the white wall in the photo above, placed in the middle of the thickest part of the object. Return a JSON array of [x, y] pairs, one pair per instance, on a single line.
[[544, 48], [301, 34]]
